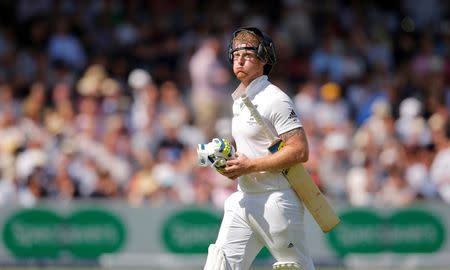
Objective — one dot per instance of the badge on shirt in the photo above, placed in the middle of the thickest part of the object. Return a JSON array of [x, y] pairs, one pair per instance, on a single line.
[[293, 116]]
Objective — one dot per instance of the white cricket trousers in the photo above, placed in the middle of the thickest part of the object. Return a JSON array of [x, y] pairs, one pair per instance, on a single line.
[[253, 220]]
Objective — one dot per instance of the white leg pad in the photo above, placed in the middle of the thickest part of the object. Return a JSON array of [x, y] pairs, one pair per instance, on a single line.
[[216, 259], [287, 266]]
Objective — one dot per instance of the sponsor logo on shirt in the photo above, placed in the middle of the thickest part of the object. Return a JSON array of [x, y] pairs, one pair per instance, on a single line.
[[293, 116], [251, 121]]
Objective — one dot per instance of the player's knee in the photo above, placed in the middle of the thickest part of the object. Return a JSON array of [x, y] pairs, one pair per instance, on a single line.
[[287, 266], [216, 259]]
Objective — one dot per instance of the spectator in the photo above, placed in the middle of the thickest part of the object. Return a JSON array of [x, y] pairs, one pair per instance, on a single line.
[[372, 91], [142, 185], [440, 170], [395, 192], [209, 79], [66, 47], [332, 111], [334, 164], [361, 185], [411, 127]]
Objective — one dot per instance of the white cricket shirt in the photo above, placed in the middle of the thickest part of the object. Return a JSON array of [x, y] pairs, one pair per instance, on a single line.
[[277, 109]]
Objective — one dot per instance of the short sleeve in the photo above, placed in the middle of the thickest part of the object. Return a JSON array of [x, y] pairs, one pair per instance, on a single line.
[[283, 114]]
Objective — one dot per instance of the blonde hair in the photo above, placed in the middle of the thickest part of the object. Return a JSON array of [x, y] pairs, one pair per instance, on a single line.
[[246, 37]]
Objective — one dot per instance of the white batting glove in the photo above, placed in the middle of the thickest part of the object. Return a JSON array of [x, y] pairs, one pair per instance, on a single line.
[[215, 153]]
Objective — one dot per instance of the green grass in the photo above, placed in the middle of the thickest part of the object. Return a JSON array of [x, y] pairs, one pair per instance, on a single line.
[[140, 268]]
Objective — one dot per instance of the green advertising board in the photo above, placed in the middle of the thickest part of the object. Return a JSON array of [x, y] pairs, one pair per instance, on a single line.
[[403, 231], [114, 234], [192, 230], [42, 233]]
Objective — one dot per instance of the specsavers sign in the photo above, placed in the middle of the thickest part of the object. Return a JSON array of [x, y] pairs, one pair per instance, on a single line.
[[115, 234], [191, 231], [41, 233], [404, 231]]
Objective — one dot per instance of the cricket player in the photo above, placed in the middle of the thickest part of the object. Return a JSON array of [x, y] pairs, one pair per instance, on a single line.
[[264, 211]]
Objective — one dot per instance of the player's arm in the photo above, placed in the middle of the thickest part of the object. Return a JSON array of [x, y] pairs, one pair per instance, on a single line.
[[295, 151]]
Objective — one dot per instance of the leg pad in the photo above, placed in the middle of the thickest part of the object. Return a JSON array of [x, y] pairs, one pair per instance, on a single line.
[[287, 266], [216, 259]]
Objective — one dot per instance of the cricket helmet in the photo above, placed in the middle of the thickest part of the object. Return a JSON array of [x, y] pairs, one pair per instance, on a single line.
[[251, 38]]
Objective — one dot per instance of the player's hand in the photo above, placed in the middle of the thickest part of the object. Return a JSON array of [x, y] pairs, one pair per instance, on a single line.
[[238, 166]]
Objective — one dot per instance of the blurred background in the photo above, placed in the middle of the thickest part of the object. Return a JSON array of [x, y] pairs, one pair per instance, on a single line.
[[103, 103]]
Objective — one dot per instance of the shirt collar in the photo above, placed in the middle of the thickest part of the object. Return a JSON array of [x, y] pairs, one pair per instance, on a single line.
[[252, 89]]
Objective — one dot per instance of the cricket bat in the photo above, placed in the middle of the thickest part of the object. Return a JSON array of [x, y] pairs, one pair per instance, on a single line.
[[299, 179]]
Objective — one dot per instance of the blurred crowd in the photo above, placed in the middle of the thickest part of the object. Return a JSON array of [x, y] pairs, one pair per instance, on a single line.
[[109, 99]]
